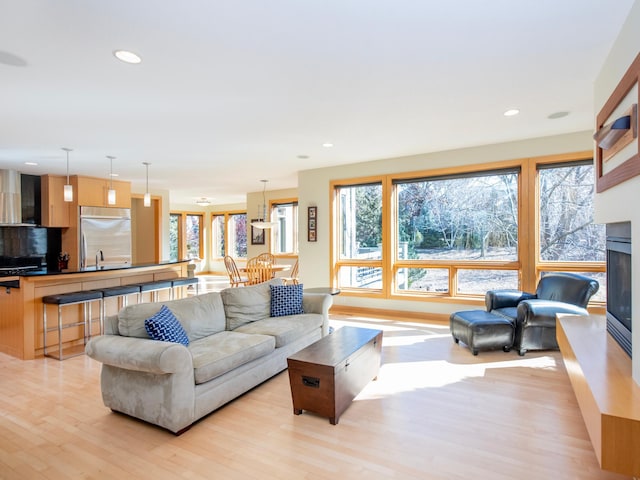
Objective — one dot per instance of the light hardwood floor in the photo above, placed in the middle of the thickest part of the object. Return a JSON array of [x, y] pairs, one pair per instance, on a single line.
[[435, 412]]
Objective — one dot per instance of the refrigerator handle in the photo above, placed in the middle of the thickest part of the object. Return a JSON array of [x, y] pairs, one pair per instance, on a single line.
[[83, 251]]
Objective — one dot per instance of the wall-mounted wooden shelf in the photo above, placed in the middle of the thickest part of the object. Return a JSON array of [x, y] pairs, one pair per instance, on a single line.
[[618, 134], [630, 167]]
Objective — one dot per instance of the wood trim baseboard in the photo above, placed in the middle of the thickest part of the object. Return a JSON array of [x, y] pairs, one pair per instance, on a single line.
[[422, 317]]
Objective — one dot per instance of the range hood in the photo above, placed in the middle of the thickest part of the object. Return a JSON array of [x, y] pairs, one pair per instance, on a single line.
[[10, 198]]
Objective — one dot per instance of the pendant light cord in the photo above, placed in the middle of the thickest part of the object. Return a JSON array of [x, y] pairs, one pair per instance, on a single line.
[[67, 150]]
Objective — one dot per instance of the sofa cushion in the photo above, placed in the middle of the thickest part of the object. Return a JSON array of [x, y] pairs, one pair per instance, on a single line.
[[200, 316], [285, 329], [218, 354], [247, 304], [286, 300], [164, 326]]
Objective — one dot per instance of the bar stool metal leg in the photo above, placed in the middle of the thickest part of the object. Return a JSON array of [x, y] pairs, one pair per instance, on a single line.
[[60, 331], [44, 333], [86, 298]]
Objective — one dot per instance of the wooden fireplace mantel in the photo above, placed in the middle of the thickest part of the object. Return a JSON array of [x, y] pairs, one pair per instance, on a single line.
[[609, 398]]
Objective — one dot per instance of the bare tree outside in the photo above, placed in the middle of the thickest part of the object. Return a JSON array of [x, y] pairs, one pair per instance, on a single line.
[[468, 217], [463, 218], [567, 231], [238, 232]]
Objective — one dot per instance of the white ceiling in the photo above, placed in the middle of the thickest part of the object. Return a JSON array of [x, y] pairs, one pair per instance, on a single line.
[[231, 92]]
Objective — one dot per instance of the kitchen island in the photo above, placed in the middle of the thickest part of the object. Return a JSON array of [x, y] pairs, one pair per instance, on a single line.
[[21, 308]]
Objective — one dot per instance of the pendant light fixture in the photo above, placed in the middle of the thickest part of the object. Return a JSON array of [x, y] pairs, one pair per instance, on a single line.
[[68, 189], [262, 222], [147, 195], [111, 194]]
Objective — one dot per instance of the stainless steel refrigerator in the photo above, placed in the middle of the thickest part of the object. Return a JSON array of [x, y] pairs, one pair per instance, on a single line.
[[105, 237]]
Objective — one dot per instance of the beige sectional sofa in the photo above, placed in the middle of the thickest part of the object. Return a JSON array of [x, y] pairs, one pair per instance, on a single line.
[[234, 345]]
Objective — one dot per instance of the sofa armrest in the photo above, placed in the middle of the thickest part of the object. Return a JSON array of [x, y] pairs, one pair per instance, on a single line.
[[140, 354], [318, 303], [542, 313], [495, 299]]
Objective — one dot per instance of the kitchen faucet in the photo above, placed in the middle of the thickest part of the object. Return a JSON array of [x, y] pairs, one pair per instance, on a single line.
[[99, 258]]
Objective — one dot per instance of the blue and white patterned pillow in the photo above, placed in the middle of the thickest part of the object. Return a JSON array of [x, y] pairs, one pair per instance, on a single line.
[[165, 326], [286, 300]]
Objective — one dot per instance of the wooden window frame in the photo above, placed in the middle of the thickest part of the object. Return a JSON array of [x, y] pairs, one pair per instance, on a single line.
[[213, 240], [528, 264], [180, 254], [274, 204], [182, 232], [229, 232]]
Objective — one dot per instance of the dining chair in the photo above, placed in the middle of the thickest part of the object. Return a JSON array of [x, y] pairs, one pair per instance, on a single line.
[[292, 278], [258, 271], [235, 279], [267, 257]]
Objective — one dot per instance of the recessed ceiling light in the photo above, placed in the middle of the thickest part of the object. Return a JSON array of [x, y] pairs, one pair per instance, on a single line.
[[511, 112], [127, 57], [33, 164], [327, 145], [114, 175], [558, 115], [303, 157]]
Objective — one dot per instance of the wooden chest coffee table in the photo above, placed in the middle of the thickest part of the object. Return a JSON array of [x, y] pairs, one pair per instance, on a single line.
[[327, 375]]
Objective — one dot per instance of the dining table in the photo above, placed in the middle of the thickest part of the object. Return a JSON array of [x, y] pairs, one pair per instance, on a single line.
[[275, 268]]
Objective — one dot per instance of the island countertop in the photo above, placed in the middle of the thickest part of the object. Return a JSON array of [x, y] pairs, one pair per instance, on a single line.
[[101, 268], [21, 307]]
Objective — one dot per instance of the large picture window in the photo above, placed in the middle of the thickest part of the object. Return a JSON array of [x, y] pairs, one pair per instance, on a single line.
[[569, 240], [228, 235], [185, 236], [458, 232], [193, 233], [237, 227], [285, 237], [360, 236], [567, 231], [471, 217], [360, 221], [217, 236], [175, 236]]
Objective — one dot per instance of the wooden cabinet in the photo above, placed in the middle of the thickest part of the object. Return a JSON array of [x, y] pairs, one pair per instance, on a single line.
[[87, 192], [92, 192], [55, 211]]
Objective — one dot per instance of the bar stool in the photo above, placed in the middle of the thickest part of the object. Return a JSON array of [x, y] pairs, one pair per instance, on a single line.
[[121, 292], [84, 297], [154, 287], [182, 282]]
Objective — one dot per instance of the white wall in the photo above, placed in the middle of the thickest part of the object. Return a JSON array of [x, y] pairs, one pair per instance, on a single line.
[[313, 189], [620, 203]]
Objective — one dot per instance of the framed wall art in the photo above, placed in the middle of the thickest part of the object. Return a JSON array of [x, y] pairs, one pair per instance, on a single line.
[[257, 234], [312, 224]]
